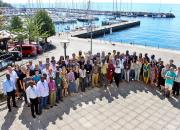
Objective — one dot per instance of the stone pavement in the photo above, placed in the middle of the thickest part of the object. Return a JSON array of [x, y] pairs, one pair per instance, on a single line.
[[132, 106]]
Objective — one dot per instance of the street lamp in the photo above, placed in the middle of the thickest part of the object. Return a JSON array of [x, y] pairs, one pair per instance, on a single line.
[[65, 44], [91, 37], [90, 31]]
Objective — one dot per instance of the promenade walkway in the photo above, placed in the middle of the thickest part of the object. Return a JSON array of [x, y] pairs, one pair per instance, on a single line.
[[132, 106]]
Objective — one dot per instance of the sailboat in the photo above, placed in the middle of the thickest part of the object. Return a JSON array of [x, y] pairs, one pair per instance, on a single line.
[[87, 17], [131, 14], [157, 15]]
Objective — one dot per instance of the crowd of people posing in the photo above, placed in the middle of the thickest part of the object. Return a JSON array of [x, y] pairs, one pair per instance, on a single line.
[[44, 85]]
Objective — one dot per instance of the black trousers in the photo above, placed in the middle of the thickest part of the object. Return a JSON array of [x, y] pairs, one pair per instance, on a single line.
[[34, 106], [25, 96], [9, 96], [82, 83], [117, 78], [175, 88]]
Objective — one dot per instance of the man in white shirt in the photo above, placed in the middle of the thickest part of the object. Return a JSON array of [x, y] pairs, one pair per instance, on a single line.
[[117, 72], [82, 80], [13, 75], [43, 89], [9, 90], [32, 97]]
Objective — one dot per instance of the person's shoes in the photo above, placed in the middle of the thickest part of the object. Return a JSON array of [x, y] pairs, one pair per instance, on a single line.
[[38, 114], [61, 100], [15, 106], [9, 110], [55, 105], [33, 116], [51, 106]]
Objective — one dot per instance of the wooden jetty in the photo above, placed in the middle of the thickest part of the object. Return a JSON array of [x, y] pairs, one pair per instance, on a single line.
[[105, 29]]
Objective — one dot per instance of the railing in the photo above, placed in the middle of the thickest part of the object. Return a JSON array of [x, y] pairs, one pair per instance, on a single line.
[[130, 43]]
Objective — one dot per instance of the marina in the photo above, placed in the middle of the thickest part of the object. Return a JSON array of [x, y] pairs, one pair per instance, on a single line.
[[21, 12]]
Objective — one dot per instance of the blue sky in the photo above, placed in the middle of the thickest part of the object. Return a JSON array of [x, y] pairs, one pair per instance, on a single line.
[[134, 1]]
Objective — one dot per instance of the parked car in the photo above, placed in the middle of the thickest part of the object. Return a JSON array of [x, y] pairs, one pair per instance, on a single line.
[[17, 55], [6, 60], [39, 48], [27, 50]]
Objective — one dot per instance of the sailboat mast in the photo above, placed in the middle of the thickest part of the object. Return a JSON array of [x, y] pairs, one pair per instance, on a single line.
[[131, 6], [160, 4], [113, 5], [116, 6]]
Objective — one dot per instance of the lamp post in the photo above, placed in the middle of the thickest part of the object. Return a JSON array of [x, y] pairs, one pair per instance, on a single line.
[[91, 37], [65, 44]]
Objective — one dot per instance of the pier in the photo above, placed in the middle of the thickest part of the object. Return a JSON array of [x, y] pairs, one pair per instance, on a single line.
[[105, 29]]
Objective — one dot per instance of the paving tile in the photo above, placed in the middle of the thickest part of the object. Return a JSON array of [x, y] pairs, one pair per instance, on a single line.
[[96, 109]]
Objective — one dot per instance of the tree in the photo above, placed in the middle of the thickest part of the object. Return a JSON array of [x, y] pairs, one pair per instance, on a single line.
[[33, 29], [3, 4], [46, 24], [2, 22], [16, 23]]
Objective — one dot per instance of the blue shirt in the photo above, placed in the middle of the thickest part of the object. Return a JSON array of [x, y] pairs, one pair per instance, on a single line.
[[172, 76], [8, 86], [36, 78]]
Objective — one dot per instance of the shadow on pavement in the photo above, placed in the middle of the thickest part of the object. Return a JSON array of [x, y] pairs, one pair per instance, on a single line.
[[74, 102]]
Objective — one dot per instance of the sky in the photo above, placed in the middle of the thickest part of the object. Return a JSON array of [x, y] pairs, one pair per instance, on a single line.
[[134, 1]]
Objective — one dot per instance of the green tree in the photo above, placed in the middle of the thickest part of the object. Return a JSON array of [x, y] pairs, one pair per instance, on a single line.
[[16, 23], [46, 24], [2, 22], [33, 29], [3, 4]]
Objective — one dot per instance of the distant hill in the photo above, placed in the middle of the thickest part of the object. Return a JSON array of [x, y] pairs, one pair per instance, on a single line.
[[3, 4]]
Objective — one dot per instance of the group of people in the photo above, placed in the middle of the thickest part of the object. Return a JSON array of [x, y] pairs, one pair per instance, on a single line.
[[44, 85]]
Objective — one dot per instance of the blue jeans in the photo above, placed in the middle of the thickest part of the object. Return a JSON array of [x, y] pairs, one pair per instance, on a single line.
[[43, 103]]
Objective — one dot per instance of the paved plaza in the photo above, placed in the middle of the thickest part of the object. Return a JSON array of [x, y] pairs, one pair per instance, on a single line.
[[132, 106]]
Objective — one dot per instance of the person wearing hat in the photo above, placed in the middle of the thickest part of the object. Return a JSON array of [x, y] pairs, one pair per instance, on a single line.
[[9, 89], [43, 89], [32, 97]]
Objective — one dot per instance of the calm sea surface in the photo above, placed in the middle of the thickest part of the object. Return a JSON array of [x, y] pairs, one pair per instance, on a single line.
[[164, 33]]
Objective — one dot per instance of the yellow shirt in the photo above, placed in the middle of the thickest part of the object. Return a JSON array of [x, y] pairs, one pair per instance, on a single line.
[[104, 69]]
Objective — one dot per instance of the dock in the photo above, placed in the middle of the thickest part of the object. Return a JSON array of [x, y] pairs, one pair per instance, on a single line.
[[100, 31]]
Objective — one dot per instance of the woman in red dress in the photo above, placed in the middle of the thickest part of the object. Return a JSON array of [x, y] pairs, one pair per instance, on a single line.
[[110, 72]]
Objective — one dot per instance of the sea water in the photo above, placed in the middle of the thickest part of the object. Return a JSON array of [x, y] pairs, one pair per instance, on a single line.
[[155, 32]]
